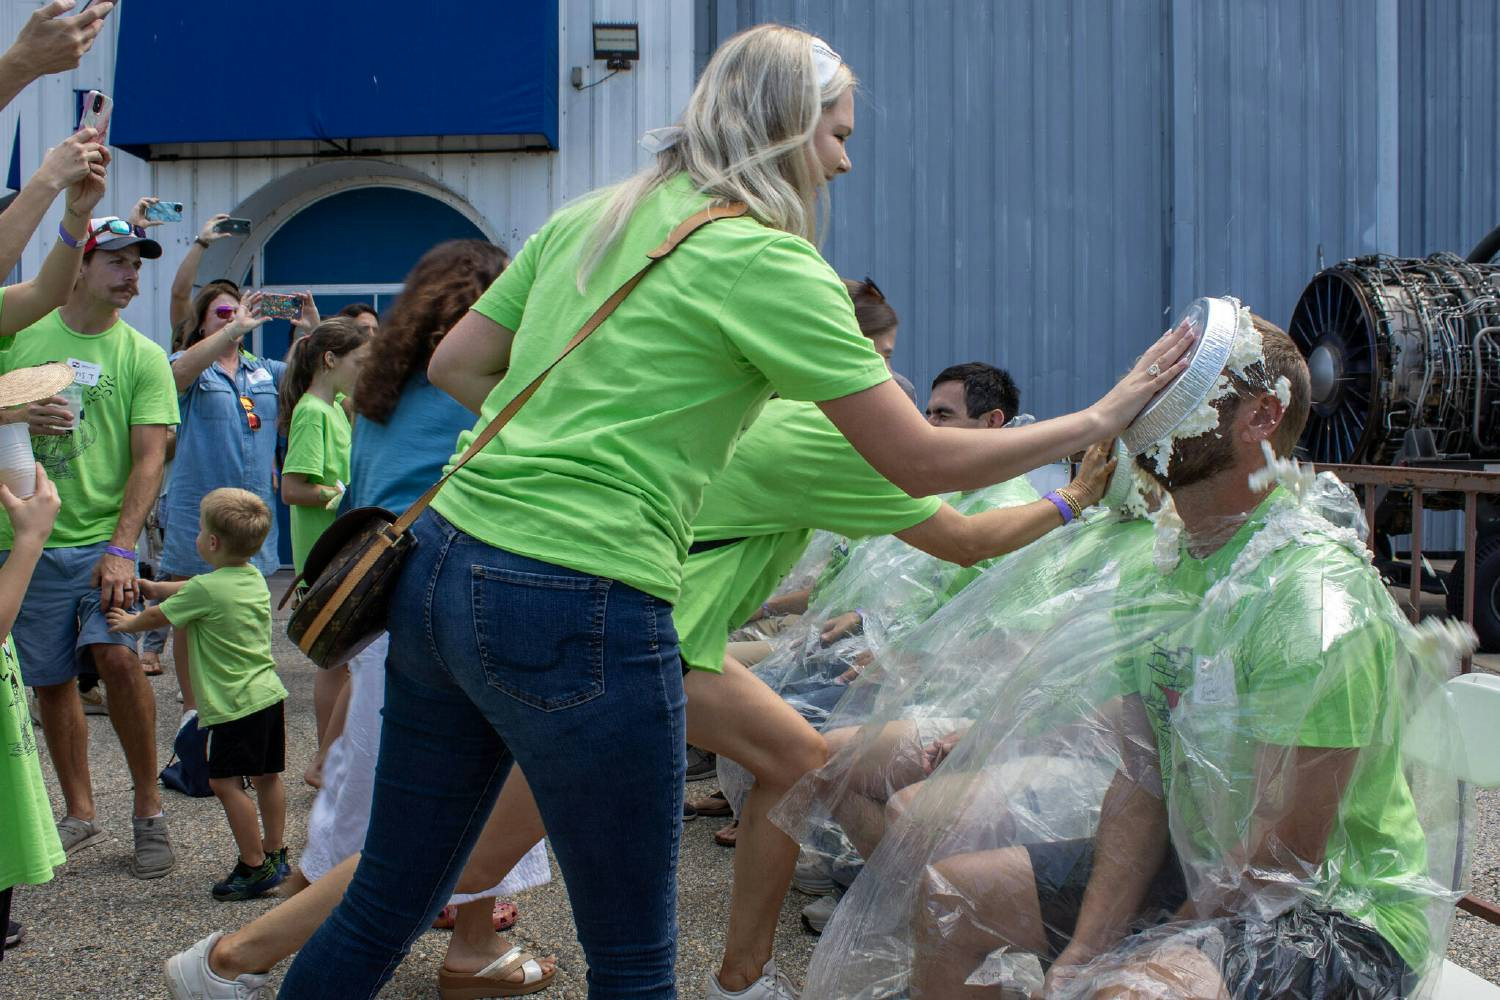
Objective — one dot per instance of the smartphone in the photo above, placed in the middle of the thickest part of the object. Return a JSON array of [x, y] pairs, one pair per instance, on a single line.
[[97, 108], [280, 305], [238, 227], [164, 211]]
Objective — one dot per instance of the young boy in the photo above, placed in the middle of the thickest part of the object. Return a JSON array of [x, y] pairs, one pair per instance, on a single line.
[[29, 846], [227, 615]]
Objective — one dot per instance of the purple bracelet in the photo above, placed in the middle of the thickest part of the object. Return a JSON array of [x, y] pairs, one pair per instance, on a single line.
[[115, 550], [1063, 507]]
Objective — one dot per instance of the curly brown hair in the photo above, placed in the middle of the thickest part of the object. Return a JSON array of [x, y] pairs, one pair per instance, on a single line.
[[440, 289]]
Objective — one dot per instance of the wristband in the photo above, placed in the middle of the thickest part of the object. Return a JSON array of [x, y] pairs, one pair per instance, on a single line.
[[68, 239], [1063, 507], [201, 242], [115, 550]]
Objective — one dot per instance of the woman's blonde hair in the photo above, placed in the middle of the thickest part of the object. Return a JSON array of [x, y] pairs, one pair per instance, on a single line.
[[745, 137]]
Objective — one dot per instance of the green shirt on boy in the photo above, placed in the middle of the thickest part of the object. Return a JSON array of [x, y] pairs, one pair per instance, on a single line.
[[229, 643]]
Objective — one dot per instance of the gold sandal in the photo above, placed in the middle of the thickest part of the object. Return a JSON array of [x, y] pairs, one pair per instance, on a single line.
[[491, 980]]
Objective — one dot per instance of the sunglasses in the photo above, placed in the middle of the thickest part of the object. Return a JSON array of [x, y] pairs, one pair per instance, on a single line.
[[251, 417], [874, 288], [117, 226], [224, 312]]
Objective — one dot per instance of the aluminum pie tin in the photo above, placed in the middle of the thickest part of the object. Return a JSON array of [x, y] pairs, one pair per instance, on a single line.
[[1120, 481], [1215, 321]]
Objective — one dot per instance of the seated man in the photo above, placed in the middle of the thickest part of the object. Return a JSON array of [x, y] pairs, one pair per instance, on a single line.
[[1275, 816]]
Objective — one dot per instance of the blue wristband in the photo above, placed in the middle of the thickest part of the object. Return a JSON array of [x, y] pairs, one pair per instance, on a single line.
[[67, 237], [115, 550], [1063, 507]]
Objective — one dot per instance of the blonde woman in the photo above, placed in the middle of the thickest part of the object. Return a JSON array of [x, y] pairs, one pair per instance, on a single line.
[[533, 620]]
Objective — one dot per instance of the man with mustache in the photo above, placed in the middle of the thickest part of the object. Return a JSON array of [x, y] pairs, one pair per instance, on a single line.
[[107, 464]]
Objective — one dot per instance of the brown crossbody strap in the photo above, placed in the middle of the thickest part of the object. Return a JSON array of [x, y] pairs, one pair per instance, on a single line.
[[685, 229]]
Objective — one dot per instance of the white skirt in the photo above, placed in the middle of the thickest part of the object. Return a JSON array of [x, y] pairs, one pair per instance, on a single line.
[[341, 812]]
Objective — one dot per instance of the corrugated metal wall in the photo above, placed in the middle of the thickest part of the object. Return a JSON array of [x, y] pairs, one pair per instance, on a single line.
[[1041, 183]]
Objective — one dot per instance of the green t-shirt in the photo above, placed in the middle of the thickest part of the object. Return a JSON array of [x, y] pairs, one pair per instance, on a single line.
[[792, 473], [127, 381], [29, 848], [317, 447], [229, 643], [602, 471], [1300, 649]]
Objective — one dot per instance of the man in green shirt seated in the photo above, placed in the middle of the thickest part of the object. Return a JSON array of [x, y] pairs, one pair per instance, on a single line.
[[1262, 688]]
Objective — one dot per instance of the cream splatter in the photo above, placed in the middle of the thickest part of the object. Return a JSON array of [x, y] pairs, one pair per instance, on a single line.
[[1286, 471], [1284, 391], [1167, 552]]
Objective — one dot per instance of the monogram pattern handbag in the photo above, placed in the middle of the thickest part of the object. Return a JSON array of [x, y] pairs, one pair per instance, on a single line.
[[352, 570]]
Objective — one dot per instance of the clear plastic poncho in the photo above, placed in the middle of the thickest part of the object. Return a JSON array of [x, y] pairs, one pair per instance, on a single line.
[[1177, 777]]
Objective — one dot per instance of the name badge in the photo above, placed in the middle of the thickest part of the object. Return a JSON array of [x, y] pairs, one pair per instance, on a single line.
[[84, 372], [258, 376]]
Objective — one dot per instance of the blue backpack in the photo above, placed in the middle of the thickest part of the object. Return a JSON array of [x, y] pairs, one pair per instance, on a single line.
[[188, 771]]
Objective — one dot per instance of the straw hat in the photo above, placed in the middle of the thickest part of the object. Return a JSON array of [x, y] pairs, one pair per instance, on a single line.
[[27, 385], [1215, 321]]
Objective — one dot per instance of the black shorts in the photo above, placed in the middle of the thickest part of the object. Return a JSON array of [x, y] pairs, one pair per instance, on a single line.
[[1304, 953], [253, 745], [1311, 954], [1062, 869]]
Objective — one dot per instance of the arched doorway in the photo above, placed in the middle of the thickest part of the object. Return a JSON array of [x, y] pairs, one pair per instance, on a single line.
[[354, 244]]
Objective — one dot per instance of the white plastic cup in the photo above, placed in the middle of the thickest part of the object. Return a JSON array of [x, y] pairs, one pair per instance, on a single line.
[[74, 395], [17, 465]]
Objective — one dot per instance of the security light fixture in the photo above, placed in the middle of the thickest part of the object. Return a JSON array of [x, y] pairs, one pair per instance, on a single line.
[[617, 43]]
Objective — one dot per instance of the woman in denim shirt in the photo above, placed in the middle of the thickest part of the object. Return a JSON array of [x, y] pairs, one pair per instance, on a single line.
[[228, 435]]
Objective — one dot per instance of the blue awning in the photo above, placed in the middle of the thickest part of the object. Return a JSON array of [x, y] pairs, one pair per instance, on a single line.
[[318, 76]]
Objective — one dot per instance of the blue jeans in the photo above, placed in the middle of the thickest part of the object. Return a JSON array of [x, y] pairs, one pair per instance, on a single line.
[[495, 657]]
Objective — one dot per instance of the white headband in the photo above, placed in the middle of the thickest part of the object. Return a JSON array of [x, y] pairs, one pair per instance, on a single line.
[[826, 63]]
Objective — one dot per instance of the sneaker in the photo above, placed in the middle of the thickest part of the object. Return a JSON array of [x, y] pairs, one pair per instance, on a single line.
[[153, 856], [813, 876], [701, 764], [190, 978], [815, 915], [771, 985], [283, 866], [245, 882], [76, 834], [93, 701], [14, 935]]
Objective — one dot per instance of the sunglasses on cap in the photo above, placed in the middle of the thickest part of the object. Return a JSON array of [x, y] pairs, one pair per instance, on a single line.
[[117, 226]]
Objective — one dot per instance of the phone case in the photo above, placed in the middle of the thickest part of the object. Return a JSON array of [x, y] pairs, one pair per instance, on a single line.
[[239, 227], [165, 211], [278, 305], [97, 109]]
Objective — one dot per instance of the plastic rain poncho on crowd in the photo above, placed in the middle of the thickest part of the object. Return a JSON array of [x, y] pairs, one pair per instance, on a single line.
[[893, 587], [1201, 759]]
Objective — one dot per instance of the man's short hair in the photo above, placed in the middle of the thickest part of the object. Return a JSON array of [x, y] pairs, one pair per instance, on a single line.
[[986, 388], [1282, 361], [355, 310], [239, 518]]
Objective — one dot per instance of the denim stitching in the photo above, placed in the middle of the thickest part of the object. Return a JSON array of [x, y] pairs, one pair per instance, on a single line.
[[439, 558], [599, 596]]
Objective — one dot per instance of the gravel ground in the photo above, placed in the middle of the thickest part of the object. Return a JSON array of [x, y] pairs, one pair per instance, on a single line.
[[96, 932]]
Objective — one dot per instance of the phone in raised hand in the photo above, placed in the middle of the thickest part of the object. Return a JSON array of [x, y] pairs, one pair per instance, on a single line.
[[164, 211], [280, 305], [235, 227], [97, 109]]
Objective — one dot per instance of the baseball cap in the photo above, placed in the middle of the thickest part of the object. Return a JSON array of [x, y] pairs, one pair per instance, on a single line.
[[113, 233]]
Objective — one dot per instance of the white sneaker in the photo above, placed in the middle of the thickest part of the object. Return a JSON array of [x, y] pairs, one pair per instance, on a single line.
[[815, 915], [190, 978], [771, 985], [813, 875]]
